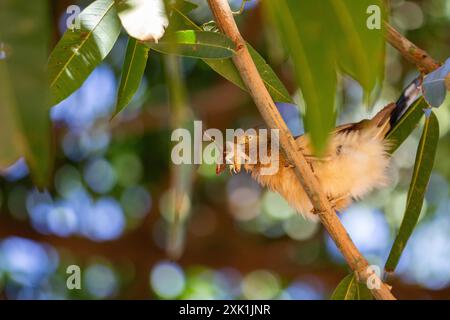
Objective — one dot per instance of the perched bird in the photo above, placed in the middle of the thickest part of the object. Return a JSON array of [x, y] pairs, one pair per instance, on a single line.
[[355, 162]]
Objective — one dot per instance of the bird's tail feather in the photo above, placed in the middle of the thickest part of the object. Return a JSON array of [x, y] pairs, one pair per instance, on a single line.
[[411, 93], [386, 119]]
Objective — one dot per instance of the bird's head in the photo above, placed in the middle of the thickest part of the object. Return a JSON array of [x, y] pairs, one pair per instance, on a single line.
[[243, 152]]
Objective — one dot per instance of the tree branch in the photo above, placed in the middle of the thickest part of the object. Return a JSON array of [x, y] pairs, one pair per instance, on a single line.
[[244, 63], [424, 62]]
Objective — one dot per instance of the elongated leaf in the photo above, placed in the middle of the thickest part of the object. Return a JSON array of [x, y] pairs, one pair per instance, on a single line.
[[350, 289], [178, 16], [132, 72], [143, 19], [304, 30], [24, 115], [273, 84], [227, 69], [406, 124], [360, 49], [276, 88], [79, 51], [185, 6], [196, 44], [11, 144], [426, 152]]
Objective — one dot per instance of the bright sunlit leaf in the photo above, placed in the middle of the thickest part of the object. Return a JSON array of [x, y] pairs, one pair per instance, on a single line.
[[227, 69], [79, 51], [196, 44]]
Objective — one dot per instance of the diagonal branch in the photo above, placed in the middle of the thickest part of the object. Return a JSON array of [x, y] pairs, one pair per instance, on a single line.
[[423, 61], [244, 63]]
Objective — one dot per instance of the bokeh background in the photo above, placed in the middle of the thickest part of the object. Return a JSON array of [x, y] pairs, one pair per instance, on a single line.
[[110, 208]]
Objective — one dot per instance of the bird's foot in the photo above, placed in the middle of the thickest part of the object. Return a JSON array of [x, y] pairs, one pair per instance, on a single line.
[[235, 168], [336, 204], [315, 211], [340, 202]]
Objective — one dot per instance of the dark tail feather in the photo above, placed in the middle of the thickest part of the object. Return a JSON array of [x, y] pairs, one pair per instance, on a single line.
[[407, 98], [386, 119]]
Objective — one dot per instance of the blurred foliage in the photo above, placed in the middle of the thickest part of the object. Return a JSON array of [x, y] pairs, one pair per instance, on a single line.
[[322, 35], [24, 93], [105, 208]]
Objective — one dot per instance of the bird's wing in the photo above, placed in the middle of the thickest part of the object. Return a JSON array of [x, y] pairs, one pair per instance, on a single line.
[[340, 128], [304, 143], [345, 127]]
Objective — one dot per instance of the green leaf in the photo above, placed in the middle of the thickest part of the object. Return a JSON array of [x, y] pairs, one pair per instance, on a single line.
[[185, 6], [423, 167], [24, 112], [306, 36], [408, 122], [276, 88], [273, 84], [143, 19], [179, 19], [132, 72], [350, 289], [227, 69], [79, 51], [195, 44], [11, 144], [360, 50]]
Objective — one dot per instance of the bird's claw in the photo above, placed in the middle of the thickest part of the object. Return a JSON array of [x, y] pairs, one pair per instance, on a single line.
[[234, 169], [336, 203], [315, 211]]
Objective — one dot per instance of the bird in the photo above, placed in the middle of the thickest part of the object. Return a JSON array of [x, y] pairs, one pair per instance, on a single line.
[[355, 163]]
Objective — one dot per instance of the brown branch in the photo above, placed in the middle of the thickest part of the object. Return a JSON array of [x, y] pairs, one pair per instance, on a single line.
[[424, 62], [272, 117]]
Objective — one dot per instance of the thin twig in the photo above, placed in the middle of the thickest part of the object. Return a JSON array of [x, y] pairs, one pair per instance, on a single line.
[[241, 9], [249, 73], [424, 62]]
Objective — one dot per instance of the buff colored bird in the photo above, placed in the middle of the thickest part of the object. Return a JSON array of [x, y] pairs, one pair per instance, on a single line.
[[356, 160]]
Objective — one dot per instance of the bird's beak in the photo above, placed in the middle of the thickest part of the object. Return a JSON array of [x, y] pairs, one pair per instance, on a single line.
[[220, 167]]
